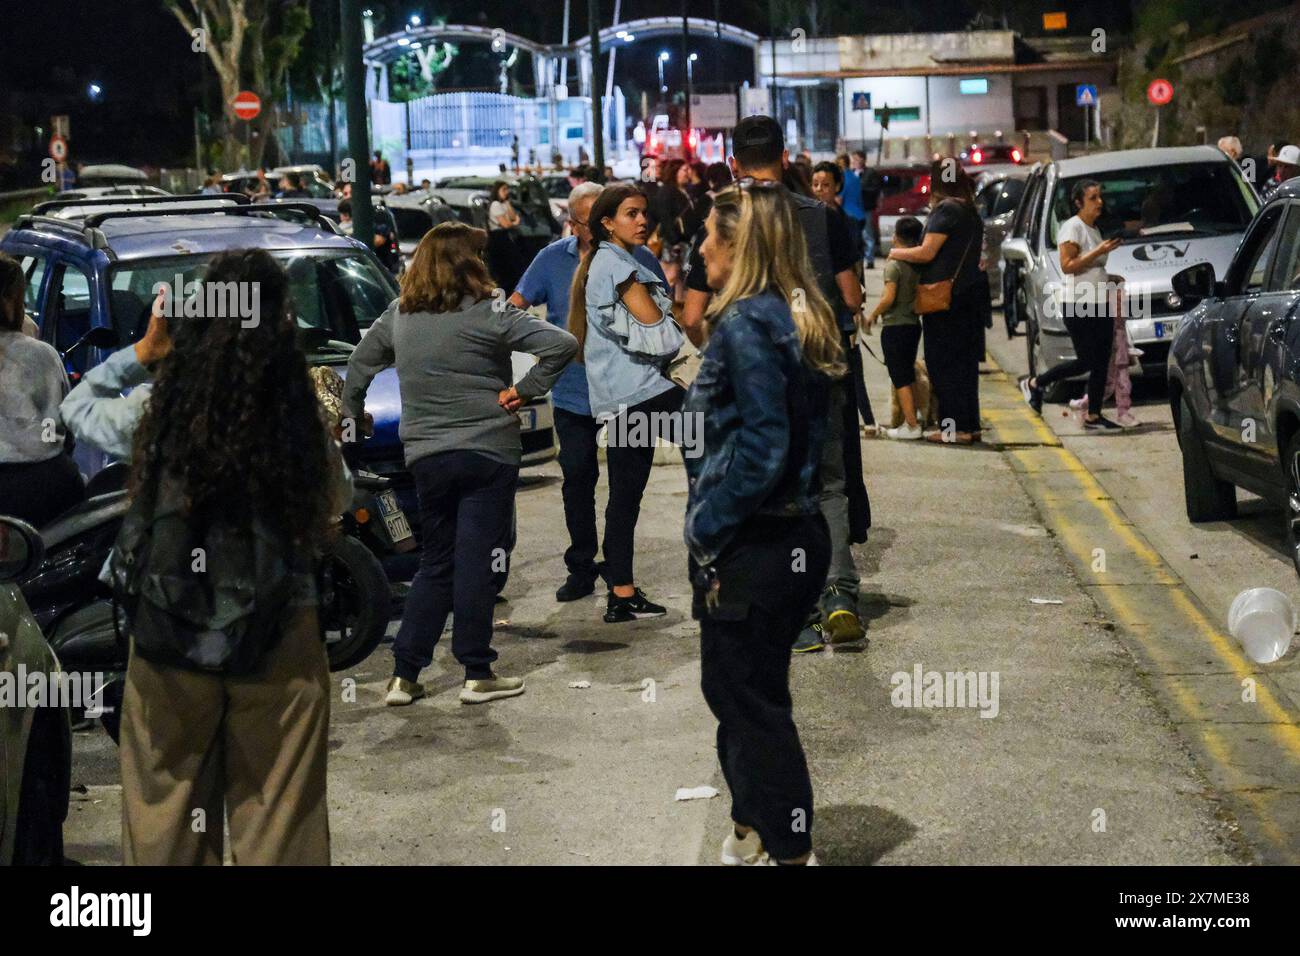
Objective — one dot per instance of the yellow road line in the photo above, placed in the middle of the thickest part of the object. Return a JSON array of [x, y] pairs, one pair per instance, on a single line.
[[1283, 722]]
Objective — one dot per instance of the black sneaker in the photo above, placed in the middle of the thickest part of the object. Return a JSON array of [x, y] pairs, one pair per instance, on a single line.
[[1033, 395], [621, 609], [577, 586], [1101, 424]]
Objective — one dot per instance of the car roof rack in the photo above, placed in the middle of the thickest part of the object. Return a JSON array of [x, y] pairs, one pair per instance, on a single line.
[[50, 205], [268, 209], [69, 227]]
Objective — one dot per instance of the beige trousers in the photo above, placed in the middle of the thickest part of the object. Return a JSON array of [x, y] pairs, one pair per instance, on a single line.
[[194, 745]]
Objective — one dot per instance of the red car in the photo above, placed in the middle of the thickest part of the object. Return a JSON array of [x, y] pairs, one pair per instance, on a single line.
[[904, 191]]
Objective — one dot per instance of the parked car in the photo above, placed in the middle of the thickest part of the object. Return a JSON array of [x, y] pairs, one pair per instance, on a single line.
[[390, 255], [468, 196], [904, 191], [988, 154], [557, 187], [414, 214], [112, 192], [1234, 383], [997, 197], [35, 742], [1170, 207], [100, 271]]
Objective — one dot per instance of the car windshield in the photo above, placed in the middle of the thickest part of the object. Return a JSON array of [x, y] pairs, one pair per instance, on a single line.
[[1210, 198], [340, 294]]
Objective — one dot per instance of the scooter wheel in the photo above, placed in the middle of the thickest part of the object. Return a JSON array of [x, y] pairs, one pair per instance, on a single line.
[[354, 603]]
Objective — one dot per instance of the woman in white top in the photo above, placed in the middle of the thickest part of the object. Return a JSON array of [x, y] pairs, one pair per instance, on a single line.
[[505, 261], [1085, 305], [38, 479]]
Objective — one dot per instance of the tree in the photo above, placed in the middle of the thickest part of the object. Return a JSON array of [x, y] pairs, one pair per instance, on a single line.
[[249, 43]]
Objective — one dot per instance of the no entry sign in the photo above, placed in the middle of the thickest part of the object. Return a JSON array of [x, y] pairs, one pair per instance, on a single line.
[[1160, 92], [247, 105]]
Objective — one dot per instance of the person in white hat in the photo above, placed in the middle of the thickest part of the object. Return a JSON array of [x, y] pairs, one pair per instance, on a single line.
[[1286, 163]]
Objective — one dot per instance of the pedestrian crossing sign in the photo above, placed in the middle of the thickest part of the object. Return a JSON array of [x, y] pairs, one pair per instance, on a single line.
[[1085, 94]]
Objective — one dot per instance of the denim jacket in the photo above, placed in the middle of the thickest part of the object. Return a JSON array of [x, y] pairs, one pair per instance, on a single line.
[[765, 415]]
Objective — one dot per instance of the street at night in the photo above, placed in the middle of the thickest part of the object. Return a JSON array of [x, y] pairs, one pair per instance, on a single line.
[[640, 434]]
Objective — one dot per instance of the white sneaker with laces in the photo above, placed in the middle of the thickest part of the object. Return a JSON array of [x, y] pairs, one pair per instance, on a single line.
[[746, 852], [905, 432]]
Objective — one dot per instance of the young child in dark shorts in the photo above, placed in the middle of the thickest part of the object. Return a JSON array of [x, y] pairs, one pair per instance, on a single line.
[[900, 333]]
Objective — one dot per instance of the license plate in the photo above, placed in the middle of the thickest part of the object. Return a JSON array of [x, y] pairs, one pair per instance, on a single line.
[[528, 419], [1166, 328], [399, 529]]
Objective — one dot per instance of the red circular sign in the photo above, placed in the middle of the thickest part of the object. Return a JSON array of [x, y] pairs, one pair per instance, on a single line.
[[58, 148], [247, 105], [1160, 92]]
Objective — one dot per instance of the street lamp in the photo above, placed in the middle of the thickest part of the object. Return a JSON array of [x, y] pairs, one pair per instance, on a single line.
[[663, 58], [690, 60], [415, 19]]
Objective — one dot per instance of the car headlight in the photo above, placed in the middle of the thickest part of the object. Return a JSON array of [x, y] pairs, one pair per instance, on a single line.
[[1174, 300]]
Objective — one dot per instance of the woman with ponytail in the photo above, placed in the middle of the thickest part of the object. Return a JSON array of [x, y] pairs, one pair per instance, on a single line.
[[759, 546], [621, 314]]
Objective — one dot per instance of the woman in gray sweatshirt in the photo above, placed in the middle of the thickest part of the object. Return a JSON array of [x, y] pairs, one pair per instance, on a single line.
[[450, 338]]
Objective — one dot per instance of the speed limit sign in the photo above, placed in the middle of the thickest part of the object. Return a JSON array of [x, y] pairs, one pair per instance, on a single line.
[[58, 148]]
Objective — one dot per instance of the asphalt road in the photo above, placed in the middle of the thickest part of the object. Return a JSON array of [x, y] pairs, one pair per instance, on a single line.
[[1119, 736]]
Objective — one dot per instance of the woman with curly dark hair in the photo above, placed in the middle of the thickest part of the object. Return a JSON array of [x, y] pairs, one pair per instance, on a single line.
[[235, 486]]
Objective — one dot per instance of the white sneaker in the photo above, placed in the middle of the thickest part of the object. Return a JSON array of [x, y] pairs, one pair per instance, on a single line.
[[481, 691], [768, 861], [1127, 420], [402, 692], [746, 852], [905, 432]]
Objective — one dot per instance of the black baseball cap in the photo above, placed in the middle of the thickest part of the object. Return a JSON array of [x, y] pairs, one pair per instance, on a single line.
[[761, 131]]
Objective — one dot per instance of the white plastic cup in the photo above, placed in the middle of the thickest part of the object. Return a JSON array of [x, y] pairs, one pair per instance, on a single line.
[[1263, 621]]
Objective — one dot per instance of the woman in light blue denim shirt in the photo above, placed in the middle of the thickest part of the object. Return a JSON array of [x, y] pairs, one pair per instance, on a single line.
[[621, 314]]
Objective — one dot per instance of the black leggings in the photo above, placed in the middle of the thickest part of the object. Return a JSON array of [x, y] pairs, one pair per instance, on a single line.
[[1093, 339], [629, 470]]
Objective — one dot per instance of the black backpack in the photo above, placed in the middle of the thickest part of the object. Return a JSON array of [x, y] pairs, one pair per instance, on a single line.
[[200, 593]]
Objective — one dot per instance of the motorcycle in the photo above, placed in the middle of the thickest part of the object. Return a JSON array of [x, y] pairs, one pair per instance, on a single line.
[[86, 629]]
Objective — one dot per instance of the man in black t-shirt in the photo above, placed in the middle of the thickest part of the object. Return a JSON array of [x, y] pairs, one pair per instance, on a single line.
[[760, 154]]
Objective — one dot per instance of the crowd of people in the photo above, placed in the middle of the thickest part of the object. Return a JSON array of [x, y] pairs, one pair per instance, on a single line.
[[729, 293]]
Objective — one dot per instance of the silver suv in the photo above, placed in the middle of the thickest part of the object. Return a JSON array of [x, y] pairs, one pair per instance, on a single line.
[[1171, 208]]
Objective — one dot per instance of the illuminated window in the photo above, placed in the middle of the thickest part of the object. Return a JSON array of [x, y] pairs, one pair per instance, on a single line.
[[975, 87]]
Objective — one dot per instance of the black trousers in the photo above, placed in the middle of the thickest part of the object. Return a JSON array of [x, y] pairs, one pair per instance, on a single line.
[[1093, 338], [629, 470], [467, 503], [766, 594], [40, 491], [581, 470], [954, 345]]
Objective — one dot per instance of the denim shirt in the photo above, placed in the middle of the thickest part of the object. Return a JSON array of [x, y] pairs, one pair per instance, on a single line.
[[625, 360], [765, 416]]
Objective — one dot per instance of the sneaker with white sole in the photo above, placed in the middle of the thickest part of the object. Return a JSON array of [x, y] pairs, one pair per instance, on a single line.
[[1127, 421], [401, 692], [905, 432], [768, 861], [491, 688], [738, 852]]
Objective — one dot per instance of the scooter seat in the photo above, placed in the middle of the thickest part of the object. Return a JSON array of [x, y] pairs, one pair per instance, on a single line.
[[84, 516]]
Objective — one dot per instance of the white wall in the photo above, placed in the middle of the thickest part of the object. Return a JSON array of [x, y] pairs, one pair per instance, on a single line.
[[950, 110]]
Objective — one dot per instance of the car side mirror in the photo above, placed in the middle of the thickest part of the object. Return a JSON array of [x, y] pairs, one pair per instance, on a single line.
[[1015, 249], [21, 549], [1195, 283]]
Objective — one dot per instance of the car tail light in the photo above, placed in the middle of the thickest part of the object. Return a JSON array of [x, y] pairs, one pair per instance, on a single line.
[[694, 139], [977, 157], [1015, 155]]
